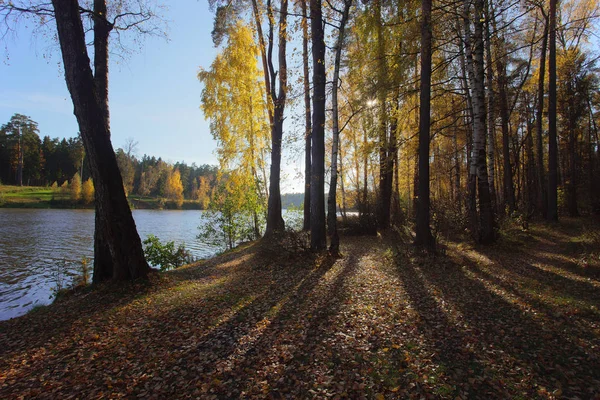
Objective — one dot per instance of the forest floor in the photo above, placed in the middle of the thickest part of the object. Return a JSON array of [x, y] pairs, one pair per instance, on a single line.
[[519, 319]]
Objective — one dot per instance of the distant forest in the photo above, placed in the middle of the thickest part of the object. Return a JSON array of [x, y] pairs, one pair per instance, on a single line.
[[28, 159]]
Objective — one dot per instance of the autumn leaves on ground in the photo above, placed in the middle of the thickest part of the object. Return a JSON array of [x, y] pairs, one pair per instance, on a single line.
[[519, 319]]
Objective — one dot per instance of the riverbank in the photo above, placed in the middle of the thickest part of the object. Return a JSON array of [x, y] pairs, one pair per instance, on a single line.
[[46, 197], [519, 319]]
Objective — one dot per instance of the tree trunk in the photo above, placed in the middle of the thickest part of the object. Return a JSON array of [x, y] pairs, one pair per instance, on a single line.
[[103, 266], [385, 189], [307, 116], [20, 159], [275, 221], [485, 228], [423, 232], [509, 190], [552, 141], [334, 239], [539, 124], [318, 238], [491, 140], [572, 186], [121, 236]]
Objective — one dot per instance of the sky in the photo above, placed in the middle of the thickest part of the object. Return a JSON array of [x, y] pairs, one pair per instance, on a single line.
[[154, 94]]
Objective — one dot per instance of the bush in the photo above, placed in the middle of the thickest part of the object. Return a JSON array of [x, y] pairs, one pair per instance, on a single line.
[[165, 255]]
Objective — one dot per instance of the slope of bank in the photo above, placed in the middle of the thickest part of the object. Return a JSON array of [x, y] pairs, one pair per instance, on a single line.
[[516, 320]]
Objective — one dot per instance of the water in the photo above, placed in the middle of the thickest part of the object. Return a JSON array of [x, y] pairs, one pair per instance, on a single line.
[[34, 244]]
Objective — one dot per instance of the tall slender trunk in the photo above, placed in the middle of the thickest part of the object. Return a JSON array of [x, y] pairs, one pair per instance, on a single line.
[[20, 159], [491, 109], [552, 136], [509, 190], [334, 239], [307, 117], [464, 48], [318, 238], [123, 241], [423, 232], [485, 232], [275, 221], [592, 132], [342, 185], [384, 195], [572, 150], [539, 124]]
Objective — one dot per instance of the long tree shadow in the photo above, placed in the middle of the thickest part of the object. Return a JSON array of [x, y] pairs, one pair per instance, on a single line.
[[450, 342], [285, 354], [170, 337], [506, 337]]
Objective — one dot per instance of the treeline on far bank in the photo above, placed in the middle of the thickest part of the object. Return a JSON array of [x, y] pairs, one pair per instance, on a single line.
[[54, 166]]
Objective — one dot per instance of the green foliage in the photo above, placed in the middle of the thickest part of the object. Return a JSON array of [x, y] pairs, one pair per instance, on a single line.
[[235, 214], [165, 255]]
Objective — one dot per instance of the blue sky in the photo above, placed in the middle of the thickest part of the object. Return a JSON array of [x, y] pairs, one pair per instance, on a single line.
[[154, 94]]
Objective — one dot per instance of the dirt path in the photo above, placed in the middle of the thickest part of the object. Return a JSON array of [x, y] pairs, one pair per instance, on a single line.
[[517, 320]]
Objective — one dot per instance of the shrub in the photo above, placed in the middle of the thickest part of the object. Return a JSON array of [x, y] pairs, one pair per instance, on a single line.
[[165, 255]]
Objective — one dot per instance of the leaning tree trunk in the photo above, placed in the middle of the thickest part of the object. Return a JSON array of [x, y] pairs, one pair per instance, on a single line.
[[103, 266], [423, 232], [334, 239], [318, 238], [307, 117], [552, 141], [122, 239]]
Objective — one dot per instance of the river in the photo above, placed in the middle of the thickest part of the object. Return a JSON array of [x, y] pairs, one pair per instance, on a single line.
[[35, 244]]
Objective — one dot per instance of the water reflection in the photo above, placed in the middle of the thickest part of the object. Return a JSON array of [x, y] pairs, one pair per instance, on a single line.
[[35, 243]]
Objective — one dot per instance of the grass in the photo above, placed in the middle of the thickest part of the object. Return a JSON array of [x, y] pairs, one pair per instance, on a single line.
[[34, 197], [45, 197]]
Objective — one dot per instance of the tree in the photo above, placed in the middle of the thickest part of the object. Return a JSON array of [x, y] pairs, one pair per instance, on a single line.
[[21, 158], [174, 188], [483, 225], [423, 232], [75, 187], [334, 239], [87, 191], [118, 229], [275, 221], [552, 136], [233, 101], [318, 238], [307, 117]]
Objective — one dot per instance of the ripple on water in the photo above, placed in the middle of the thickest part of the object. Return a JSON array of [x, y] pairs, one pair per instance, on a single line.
[[35, 244]]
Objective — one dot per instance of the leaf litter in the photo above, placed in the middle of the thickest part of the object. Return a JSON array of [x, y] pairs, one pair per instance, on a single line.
[[518, 319]]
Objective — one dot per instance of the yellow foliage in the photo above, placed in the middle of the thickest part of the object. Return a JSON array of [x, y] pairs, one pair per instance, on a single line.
[[174, 188], [87, 191], [75, 187]]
